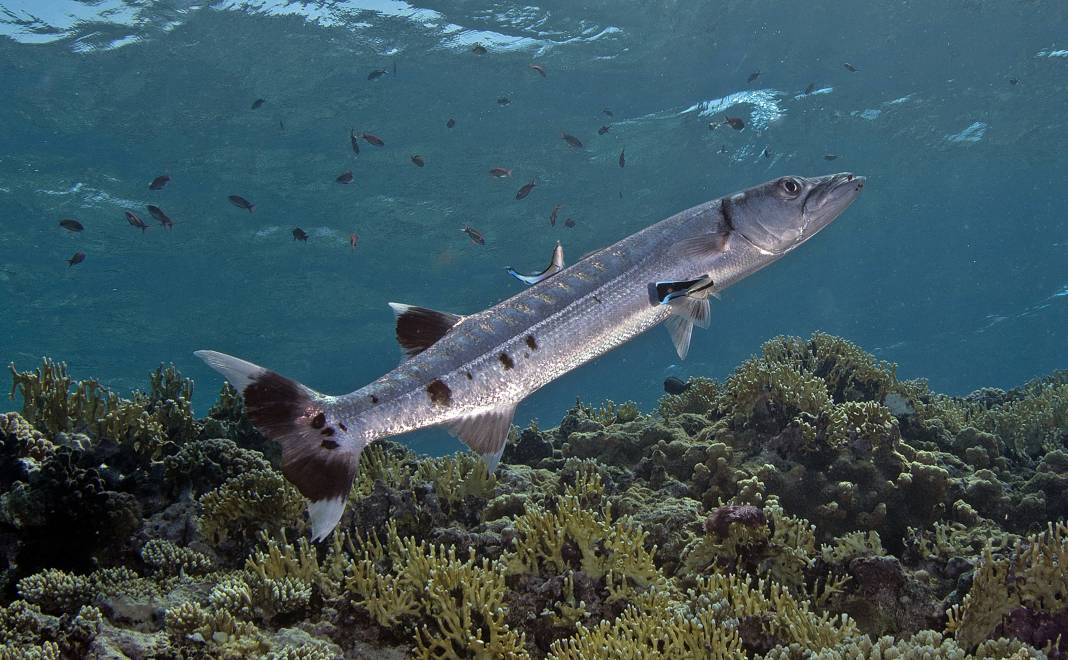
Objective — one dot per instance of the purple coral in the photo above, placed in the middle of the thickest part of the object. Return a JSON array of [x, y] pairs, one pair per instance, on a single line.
[[721, 518]]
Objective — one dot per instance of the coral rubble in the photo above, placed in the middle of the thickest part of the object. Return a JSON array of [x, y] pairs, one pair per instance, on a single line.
[[812, 505]]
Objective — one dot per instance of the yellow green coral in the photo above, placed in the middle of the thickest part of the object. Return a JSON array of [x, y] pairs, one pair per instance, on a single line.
[[456, 607], [1032, 576], [249, 502]]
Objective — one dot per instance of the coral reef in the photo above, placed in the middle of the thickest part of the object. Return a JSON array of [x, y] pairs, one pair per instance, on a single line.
[[811, 505]]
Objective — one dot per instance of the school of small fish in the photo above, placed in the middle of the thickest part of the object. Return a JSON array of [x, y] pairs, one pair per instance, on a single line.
[[355, 137]]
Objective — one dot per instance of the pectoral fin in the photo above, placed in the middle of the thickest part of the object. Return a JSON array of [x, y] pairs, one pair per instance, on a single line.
[[419, 328], [703, 245], [688, 301], [485, 432], [555, 266]]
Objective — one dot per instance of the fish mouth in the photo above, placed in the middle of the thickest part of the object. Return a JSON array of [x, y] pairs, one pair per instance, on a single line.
[[828, 199]]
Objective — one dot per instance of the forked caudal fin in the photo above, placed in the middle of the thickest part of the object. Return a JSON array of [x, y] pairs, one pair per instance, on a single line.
[[319, 453]]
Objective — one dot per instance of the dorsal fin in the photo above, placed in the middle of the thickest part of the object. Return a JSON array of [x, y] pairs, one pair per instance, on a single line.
[[419, 328], [554, 267]]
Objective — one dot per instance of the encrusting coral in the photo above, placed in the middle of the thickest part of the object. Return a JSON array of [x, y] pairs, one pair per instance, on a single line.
[[812, 505]]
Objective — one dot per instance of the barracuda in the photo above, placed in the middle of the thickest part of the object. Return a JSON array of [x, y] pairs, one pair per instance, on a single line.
[[469, 372]]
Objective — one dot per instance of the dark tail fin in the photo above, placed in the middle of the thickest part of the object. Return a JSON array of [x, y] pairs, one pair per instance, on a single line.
[[319, 452]]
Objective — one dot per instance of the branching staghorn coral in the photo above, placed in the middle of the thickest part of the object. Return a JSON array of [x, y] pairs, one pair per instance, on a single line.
[[146, 423], [457, 477], [1032, 576], [455, 607], [250, 502], [167, 559]]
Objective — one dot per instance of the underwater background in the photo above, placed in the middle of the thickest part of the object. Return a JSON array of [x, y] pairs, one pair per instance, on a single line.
[[951, 266]]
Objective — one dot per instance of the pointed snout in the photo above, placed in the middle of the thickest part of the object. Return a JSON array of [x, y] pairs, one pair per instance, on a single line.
[[829, 198]]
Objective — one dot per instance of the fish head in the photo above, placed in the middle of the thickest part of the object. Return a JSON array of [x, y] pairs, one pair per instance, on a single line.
[[779, 215]]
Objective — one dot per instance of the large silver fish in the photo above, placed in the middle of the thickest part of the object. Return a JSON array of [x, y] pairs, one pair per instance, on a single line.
[[469, 372]]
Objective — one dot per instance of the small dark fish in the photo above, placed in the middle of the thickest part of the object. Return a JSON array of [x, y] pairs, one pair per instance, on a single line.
[[479, 49], [539, 68], [737, 123], [159, 182], [830, 156], [503, 100], [355, 140], [752, 76], [159, 215], [621, 194], [450, 123], [241, 203], [281, 125], [602, 130], [811, 87], [474, 234], [1014, 81], [418, 160], [135, 221], [77, 258], [569, 223], [376, 74], [71, 225], [354, 240], [394, 67], [344, 177], [673, 385], [373, 139], [766, 153], [552, 216], [623, 157], [849, 67], [258, 103], [607, 112], [500, 172], [525, 190], [571, 140], [300, 235]]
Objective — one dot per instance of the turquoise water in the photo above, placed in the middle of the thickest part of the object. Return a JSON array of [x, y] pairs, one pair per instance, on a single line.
[[952, 264]]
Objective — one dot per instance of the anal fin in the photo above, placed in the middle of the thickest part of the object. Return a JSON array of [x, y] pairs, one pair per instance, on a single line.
[[485, 432], [419, 328]]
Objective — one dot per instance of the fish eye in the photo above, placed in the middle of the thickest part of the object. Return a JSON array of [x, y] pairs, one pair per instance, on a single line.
[[790, 186]]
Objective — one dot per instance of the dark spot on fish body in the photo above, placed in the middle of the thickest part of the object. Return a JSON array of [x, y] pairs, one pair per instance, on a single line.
[[319, 421], [329, 444], [506, 361], [327, 432], [374, 399], [342, 426], [469, 376], [439, 393], [532, 343]]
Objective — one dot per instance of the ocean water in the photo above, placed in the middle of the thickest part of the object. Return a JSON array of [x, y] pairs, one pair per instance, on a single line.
[[952, 264]]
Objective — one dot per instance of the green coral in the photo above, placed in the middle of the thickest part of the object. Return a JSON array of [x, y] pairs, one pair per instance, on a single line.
[[1031, 576], [247, 503], [457, 477], [454, 606], [54, 403], [166, 558]]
